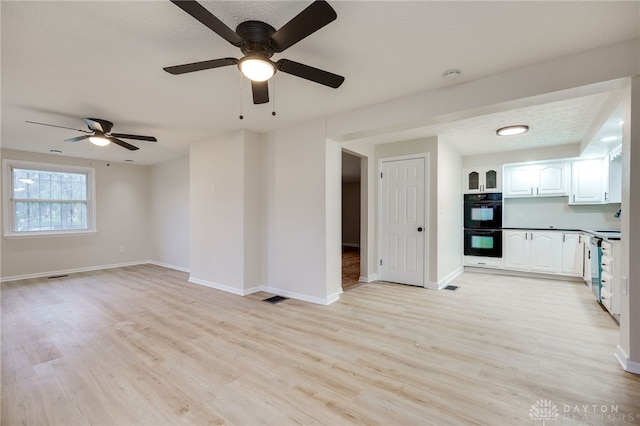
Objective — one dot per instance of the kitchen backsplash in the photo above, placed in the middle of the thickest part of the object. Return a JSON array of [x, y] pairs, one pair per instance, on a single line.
[[555, 212]]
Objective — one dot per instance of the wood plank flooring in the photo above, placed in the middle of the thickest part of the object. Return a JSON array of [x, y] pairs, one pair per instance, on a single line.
[[350, 268], [142, 346]]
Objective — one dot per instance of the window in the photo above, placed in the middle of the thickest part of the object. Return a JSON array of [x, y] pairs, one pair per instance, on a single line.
[[47, 199]]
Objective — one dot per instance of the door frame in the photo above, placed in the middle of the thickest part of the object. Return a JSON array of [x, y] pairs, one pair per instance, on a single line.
[[427, 228]]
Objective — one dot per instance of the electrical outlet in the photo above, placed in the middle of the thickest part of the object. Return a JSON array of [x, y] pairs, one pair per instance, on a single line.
[[519, 218], [625, 285], [121, 249]]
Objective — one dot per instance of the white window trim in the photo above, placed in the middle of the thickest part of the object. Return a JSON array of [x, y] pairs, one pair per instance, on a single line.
[[7, 193]]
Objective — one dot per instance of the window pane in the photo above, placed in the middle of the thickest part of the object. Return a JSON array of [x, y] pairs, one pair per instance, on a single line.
[[44, 200], [47, 216], [39, 185]]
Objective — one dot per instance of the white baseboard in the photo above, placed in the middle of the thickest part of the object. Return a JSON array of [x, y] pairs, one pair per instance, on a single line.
[[224, 287], [305, 298], [452, 276], [72, 271], [626, 364], [368, 279], [169, 266]]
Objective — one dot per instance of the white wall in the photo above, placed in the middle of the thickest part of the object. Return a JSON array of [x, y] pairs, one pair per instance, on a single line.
[[449, 213], [123, 212], [254, 201], [216, 212], [333, 220], [296, 208], [170, 213], [628, 351]]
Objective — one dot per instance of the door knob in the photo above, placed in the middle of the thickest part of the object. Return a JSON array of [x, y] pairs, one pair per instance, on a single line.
[[419, 228]]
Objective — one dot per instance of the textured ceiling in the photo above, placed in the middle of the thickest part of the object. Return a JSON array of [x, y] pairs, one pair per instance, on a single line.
[[62, 61]]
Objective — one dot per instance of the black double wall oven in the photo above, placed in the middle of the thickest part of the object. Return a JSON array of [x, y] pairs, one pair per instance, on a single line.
[[483, 224]]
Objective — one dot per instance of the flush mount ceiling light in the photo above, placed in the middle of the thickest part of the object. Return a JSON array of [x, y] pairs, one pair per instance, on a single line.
[[609, 139], [99, 140], [512, 130], [256, 68]]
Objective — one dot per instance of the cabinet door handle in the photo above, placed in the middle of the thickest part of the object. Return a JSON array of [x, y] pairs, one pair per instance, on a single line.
[[574, 198], [606, 196], [526, 235], [537, 191], [532, 190], [563, 235]]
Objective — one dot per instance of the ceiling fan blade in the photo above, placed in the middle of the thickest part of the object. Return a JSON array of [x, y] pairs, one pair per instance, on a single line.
[[77, 139], [99, 124], [315, 16], [199, 66], [136, 137], [61, 127], [122, 143], [260, 92], [201, 14], [310, 73]]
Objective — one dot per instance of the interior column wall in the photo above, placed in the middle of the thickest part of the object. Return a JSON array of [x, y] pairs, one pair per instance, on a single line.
[[224, 213], [296, 209], [628, 352]]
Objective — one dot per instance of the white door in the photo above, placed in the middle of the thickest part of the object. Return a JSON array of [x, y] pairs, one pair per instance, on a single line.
[[402, 216]]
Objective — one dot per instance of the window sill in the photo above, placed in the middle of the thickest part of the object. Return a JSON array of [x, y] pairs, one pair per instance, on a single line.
[[47, 234]]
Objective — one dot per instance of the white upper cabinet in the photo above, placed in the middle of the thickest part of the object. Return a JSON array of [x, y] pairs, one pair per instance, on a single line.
[[537, 180], [589, 178], [615, 176], [478, 180]]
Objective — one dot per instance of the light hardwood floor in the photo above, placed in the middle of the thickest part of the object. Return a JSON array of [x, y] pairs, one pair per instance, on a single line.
[[142, 346]]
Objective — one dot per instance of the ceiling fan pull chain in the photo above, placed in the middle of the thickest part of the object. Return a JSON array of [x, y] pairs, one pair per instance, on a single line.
[[273, 90], [241, 116]]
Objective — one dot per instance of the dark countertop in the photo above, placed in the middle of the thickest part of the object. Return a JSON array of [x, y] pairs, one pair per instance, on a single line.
[[605, 234]]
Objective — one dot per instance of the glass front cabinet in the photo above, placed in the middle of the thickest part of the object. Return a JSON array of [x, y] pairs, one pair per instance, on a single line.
[[479, 180]]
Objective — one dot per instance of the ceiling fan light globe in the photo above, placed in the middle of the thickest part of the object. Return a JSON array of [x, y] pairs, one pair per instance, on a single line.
[[99, 140], [257, 69]]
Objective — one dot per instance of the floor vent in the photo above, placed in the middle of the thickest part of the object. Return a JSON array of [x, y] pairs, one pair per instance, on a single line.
[[57, 276], [275, 299], [451, 287]]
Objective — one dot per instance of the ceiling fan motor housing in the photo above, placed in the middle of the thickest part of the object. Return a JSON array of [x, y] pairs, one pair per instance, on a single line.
[[256, 36], [99, 125]]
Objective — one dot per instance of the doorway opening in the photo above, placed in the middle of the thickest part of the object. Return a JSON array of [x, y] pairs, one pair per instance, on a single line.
[[351, 220]]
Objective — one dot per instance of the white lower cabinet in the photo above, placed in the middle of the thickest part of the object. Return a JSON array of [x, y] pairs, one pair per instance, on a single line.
[[610, 290], [572, 254], [549, 252], [535, 251]]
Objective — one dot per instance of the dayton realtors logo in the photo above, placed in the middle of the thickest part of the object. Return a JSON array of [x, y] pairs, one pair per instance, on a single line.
[[544, 410]]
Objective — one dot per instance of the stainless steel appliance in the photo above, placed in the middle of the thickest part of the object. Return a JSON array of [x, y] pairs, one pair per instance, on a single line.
[[595, 251], [483, 224]]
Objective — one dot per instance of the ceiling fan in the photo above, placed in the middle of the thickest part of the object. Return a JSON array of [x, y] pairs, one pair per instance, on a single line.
[[100, 134], [258, 41]]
